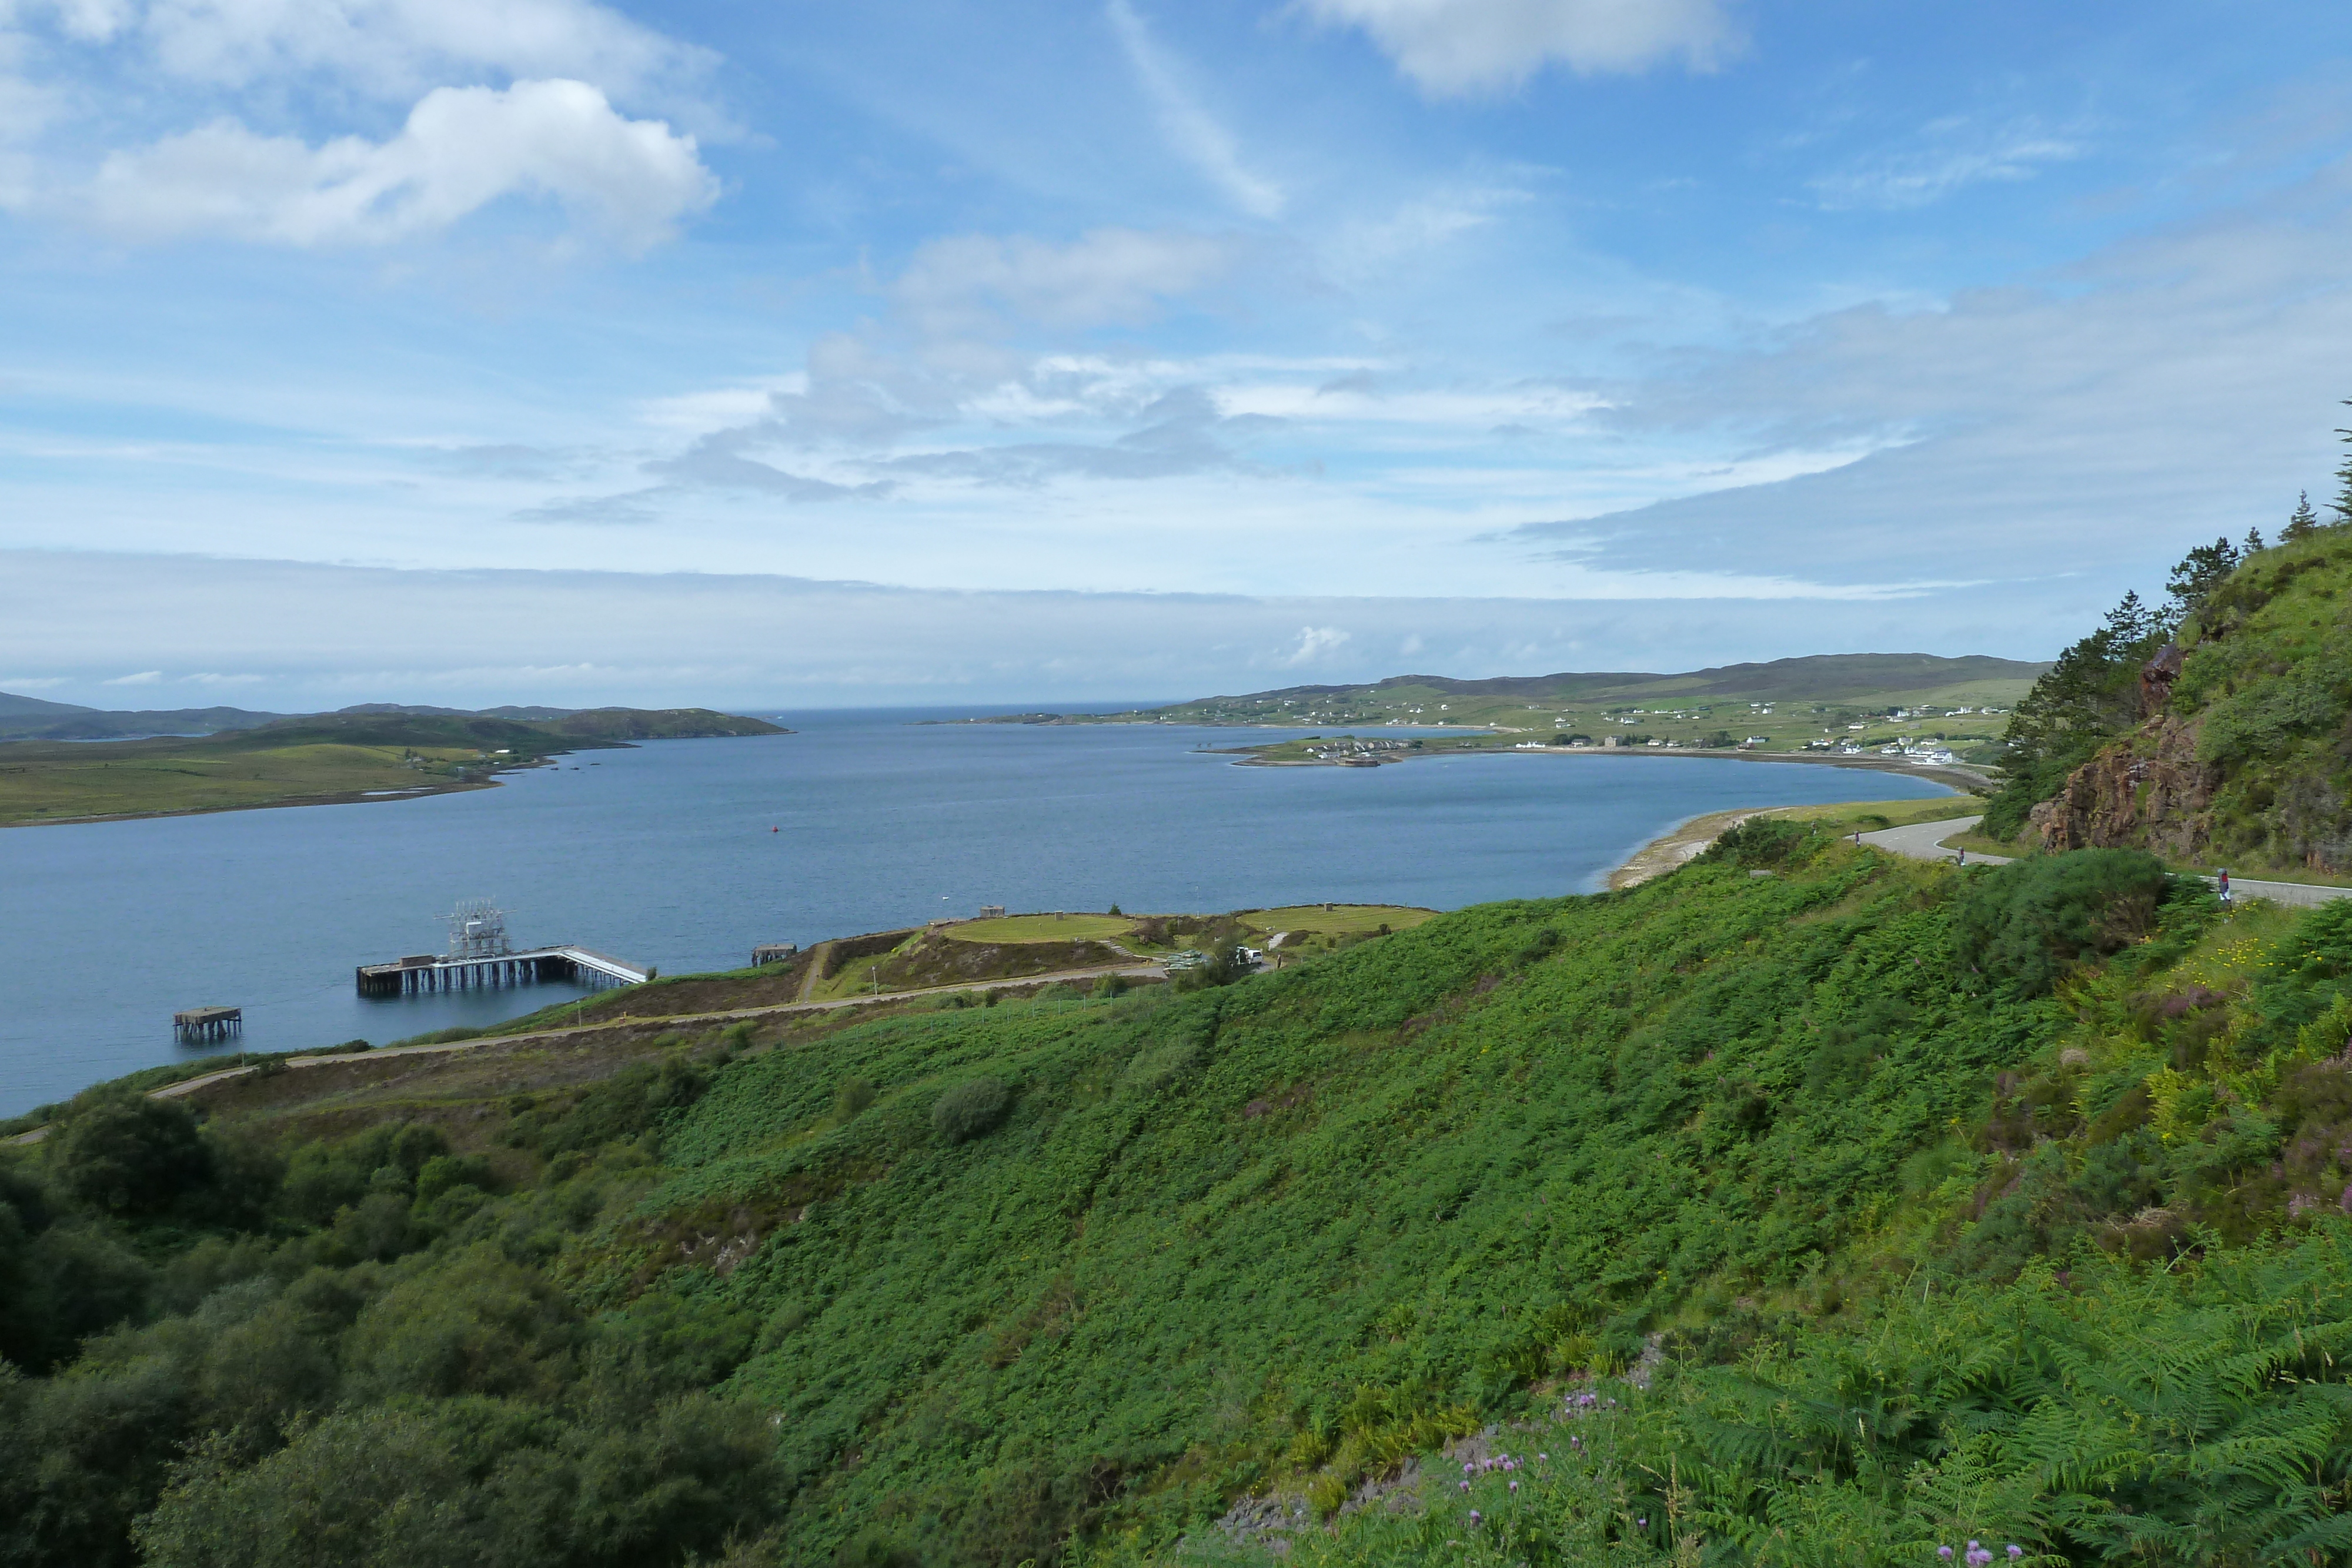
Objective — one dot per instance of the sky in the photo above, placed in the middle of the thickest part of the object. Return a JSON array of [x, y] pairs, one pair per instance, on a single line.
[[477, 351]]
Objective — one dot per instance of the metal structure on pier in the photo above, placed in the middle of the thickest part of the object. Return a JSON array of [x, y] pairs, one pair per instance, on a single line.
[[477, 929]]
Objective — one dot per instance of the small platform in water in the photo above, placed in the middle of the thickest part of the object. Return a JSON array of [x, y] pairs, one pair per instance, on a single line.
[[208, 1023]]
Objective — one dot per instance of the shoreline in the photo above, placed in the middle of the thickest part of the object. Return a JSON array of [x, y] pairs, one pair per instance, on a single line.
[[1960, 775], [1672, 851]]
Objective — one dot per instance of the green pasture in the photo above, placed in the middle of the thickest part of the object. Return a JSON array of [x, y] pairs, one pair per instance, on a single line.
[[1336, 919], [1044, 928]]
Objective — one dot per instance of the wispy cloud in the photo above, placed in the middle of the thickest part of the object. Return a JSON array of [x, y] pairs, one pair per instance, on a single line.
[[144, 678], [1947, 155], [1192, 132], [1453, 48]]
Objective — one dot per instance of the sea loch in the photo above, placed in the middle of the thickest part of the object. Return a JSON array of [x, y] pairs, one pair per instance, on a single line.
[[683, 854]]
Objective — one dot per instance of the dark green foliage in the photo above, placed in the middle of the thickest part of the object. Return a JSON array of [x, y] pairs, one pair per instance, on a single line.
[[2020, 925], [128, 1154], [852, 1098], [2090, 697], [2301, 522], [970, 1110]]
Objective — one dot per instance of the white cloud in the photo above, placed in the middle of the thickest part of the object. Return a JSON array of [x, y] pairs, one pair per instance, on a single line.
[[144, 678], [31, 683], [462, 149], [1949, 155], [1314, 643], [1192, 130], [214, 678], [1110, 276], [392, 48], [1459, 47]]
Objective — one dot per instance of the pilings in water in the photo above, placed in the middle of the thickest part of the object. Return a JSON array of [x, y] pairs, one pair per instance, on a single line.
[[204, 1024], [426, 972]]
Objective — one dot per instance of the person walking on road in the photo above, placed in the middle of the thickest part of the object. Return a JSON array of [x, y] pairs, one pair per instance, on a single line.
[[2225, 884]]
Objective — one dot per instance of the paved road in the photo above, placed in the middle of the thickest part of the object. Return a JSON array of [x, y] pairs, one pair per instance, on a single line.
[[1922, 842], [663, 1020]]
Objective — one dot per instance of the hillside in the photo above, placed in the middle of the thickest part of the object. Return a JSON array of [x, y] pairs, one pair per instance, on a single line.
[[313, 758], [1788, 702], [2226, 733], [1927, 1205]]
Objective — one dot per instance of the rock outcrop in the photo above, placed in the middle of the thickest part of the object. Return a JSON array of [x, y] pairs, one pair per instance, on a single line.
[[2150, 792]]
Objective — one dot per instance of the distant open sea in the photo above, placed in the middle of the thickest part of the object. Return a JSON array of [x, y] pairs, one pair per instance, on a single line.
[[683, 854]]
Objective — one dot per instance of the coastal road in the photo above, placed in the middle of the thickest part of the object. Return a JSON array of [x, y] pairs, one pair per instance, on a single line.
[[1922, 841]]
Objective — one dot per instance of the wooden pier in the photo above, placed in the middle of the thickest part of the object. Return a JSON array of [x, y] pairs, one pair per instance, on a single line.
[[429, 972], [193, 1024]]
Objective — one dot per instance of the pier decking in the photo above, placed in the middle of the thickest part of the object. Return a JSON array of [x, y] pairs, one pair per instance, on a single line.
[[208, 1023], [429, 972]]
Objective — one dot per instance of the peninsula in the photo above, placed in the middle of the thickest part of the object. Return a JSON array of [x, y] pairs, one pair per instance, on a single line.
[[374, 752], [1843, 704]]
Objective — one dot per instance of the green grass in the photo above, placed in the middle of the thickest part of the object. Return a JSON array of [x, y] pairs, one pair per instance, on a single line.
[[1041, 928], [1342, 919]]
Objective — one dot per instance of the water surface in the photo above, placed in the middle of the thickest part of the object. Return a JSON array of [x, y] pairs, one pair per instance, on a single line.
[[684, 854]]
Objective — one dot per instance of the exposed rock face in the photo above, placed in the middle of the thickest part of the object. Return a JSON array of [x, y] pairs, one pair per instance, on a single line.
[[2155, 678], [2149, 793]]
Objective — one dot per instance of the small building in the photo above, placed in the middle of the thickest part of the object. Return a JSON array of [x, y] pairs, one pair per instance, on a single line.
[[991, 912], [774, 953]]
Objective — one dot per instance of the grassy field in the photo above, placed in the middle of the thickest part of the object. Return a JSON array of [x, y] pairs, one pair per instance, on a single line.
[[1869, 816], [59, 782], [1336, 919], [1042, 928]]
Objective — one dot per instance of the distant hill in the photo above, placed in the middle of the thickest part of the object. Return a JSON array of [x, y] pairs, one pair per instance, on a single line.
[[1786, 702], [24, 718], [32, 718]]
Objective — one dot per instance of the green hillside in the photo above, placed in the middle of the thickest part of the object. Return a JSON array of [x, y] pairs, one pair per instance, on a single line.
[[1930, 1206], [1787, 702], [2217, 729]]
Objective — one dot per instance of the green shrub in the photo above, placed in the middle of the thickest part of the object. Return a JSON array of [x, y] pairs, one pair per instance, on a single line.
[[2019, 925], [970, 1110], [854, 1095], [125, 1153]]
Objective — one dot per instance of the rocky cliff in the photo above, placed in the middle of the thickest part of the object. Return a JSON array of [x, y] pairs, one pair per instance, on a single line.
[[2243, 753]]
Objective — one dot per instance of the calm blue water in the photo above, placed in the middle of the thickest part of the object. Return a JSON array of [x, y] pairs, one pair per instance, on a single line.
[[664, 855]]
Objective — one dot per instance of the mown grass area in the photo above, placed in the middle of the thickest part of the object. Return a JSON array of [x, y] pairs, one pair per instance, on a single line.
[[57, 782], [1070, 927], [1352, 919]]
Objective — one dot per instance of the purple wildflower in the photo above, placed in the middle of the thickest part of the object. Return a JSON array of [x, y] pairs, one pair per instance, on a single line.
[[1465, 1486], [1945, 1553], [1476, 1516], [2015, 1552]]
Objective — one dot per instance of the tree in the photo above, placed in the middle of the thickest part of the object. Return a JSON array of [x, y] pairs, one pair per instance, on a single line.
[[2200, 571], [2302, 523], [129, 1154], [2090, 695], [2341, 504], [2253, 545]]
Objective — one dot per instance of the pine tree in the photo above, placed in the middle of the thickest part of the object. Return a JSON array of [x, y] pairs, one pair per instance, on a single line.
[[2302, 523], [2341, 504], [2200, 571], [2253, 545]]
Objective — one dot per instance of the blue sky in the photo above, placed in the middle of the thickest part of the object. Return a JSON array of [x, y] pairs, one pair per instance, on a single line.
[[461, 351]]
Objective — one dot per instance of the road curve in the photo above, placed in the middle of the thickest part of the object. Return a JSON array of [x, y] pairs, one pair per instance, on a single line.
[[1922, 841]]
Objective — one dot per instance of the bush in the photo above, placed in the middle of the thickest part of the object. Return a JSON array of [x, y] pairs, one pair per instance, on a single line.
[[970, 1110], [854, 1095], [129, 1155], [2019, 925]]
